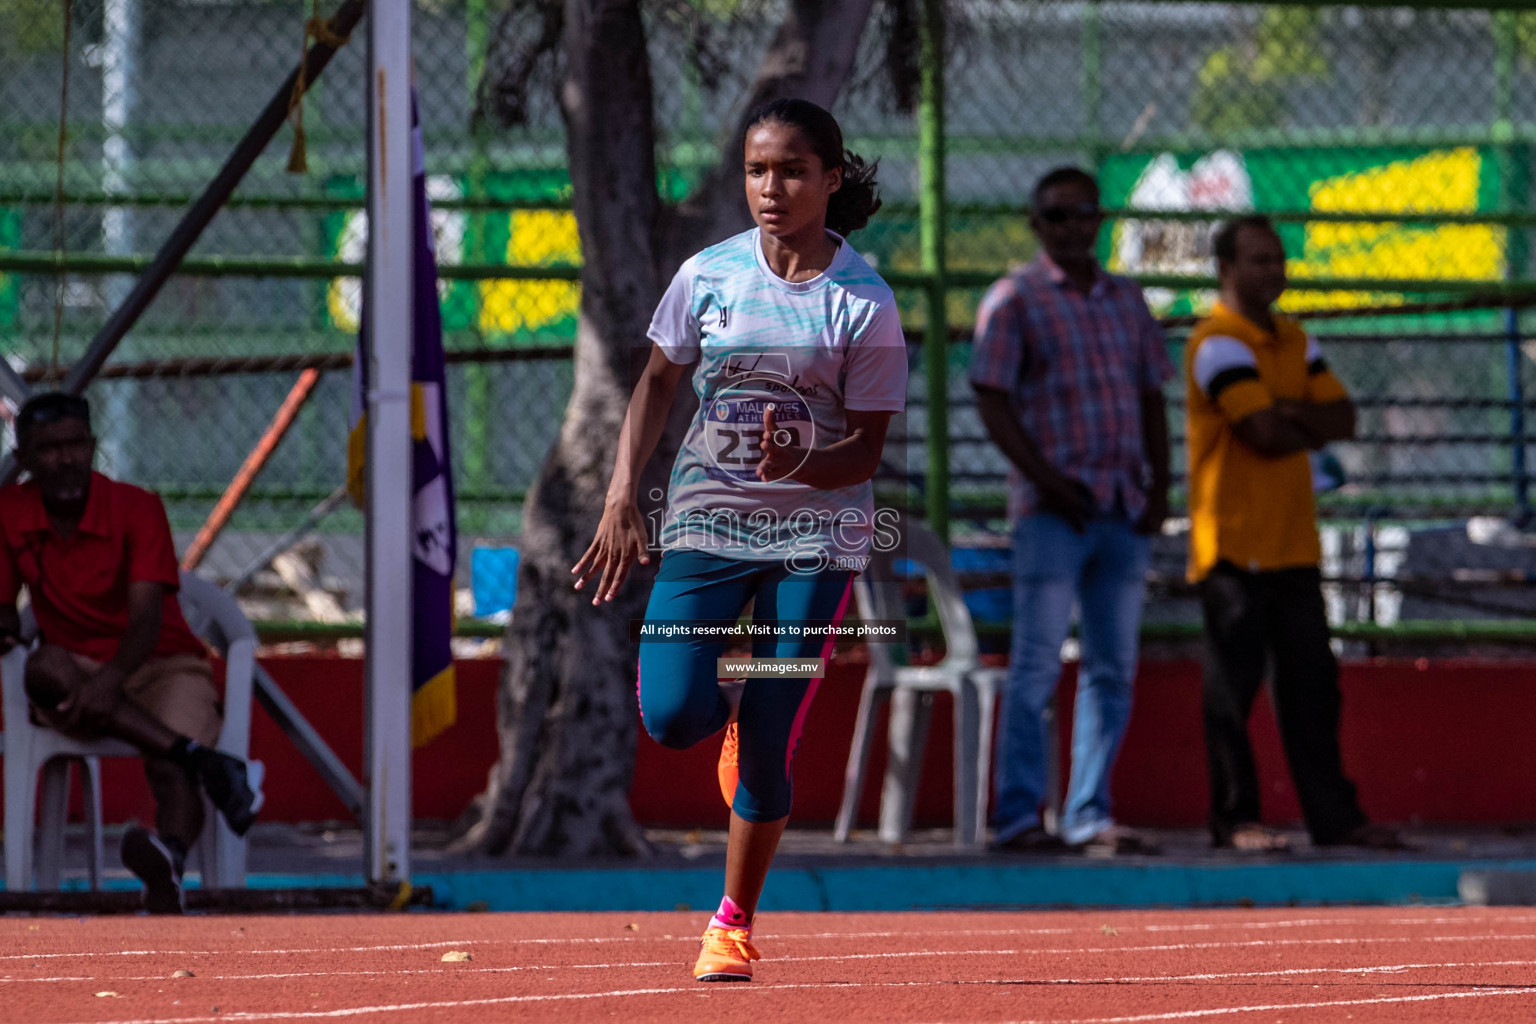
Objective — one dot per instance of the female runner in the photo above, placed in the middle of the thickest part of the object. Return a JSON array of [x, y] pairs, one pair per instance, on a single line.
[[799, 362]]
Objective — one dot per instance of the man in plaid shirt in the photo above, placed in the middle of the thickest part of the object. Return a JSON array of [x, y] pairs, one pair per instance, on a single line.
[[1068, 367]]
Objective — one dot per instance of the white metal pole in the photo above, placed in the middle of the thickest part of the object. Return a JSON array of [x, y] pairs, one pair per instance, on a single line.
[[119, 58], [387, 773], [120, 69]]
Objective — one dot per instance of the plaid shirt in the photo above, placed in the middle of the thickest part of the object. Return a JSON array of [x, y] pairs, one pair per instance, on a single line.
[[1074, 366]]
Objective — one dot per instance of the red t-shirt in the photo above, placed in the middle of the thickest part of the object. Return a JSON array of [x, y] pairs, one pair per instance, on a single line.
[[79, 586]]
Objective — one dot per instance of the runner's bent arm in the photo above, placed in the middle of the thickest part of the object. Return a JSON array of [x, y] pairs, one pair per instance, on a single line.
[[644, 422], [850, 461]]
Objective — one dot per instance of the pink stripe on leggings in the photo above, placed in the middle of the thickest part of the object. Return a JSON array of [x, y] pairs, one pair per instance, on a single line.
[[810, 691]]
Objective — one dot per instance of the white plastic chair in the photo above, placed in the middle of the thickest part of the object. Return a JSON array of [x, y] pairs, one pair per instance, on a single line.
[[29, 749], [910, 688]]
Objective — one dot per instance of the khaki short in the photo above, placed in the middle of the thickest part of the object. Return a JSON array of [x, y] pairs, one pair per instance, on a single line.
[[177, 690]]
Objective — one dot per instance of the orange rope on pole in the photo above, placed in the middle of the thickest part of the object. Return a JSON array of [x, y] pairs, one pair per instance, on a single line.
[[250, 469]]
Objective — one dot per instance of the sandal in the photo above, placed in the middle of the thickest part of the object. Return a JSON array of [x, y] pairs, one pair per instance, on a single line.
[[1255, 839], [1117, 840], [1369, 836]]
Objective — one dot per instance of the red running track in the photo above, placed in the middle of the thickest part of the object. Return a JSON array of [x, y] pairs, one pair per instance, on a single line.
[[1361, 965]]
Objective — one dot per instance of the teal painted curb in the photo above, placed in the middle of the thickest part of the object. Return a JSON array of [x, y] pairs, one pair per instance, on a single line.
[[978, 886], [971, 886]]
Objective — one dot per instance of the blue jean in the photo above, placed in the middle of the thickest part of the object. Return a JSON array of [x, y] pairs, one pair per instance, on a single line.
[[1102, 571]]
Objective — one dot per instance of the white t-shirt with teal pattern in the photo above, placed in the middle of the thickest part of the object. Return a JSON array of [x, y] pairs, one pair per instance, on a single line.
[[811, 348]]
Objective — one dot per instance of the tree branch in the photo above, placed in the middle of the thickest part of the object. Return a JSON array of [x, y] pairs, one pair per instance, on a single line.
[[526, 38]]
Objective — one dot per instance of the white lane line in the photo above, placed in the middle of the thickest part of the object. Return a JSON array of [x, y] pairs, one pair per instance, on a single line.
[[665, 937], [1112, 980], [779, 935], [936, 931], [1305, 922], [242, 952], [1224, 1011], [1097, 916], [1250, 943], [905, 954], [1096, 924], [449, 971], [443, 971], [359, 1011], [1338, 921], [1092, 926], [691, 937], [1295, 971]]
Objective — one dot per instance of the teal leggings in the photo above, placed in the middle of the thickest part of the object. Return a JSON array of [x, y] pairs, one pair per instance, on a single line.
[[680, 698]]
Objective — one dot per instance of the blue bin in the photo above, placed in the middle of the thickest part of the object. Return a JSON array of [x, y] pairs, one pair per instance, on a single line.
[[987, 559], [493, 579], [991, 604], [965, 560], [995, 604]]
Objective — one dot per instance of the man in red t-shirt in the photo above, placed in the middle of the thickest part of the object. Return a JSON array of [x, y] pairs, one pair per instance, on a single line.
[[116, 656]]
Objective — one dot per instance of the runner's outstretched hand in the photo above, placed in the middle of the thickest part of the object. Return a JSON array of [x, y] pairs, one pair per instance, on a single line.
[[620, 542]]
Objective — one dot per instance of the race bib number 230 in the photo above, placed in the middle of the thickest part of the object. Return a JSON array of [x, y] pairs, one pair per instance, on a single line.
[[733, 431]]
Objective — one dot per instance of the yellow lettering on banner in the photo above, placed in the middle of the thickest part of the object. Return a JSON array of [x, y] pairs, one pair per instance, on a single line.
[[536, 238], [1445, 181]]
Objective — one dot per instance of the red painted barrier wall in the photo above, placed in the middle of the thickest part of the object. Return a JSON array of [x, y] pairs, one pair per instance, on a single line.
[[1425, 742]]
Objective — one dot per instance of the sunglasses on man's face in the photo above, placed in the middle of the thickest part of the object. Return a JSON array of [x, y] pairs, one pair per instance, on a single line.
[[1062, 214]]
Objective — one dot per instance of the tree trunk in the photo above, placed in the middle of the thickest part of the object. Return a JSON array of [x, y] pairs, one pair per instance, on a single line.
[[566, 710]]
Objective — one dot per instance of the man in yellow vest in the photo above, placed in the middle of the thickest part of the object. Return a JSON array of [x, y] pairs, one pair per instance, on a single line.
[[1261, 397]]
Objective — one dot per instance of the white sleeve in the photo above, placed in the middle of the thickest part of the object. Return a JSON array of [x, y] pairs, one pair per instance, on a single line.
[[875, 374], [1221, 356], [674, 328]]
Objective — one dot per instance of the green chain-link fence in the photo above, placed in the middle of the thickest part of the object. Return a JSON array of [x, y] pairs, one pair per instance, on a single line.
[[1392, 145]]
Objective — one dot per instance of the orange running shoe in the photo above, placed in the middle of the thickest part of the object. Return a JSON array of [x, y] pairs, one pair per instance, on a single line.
[[729, 760], [725, 955]]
